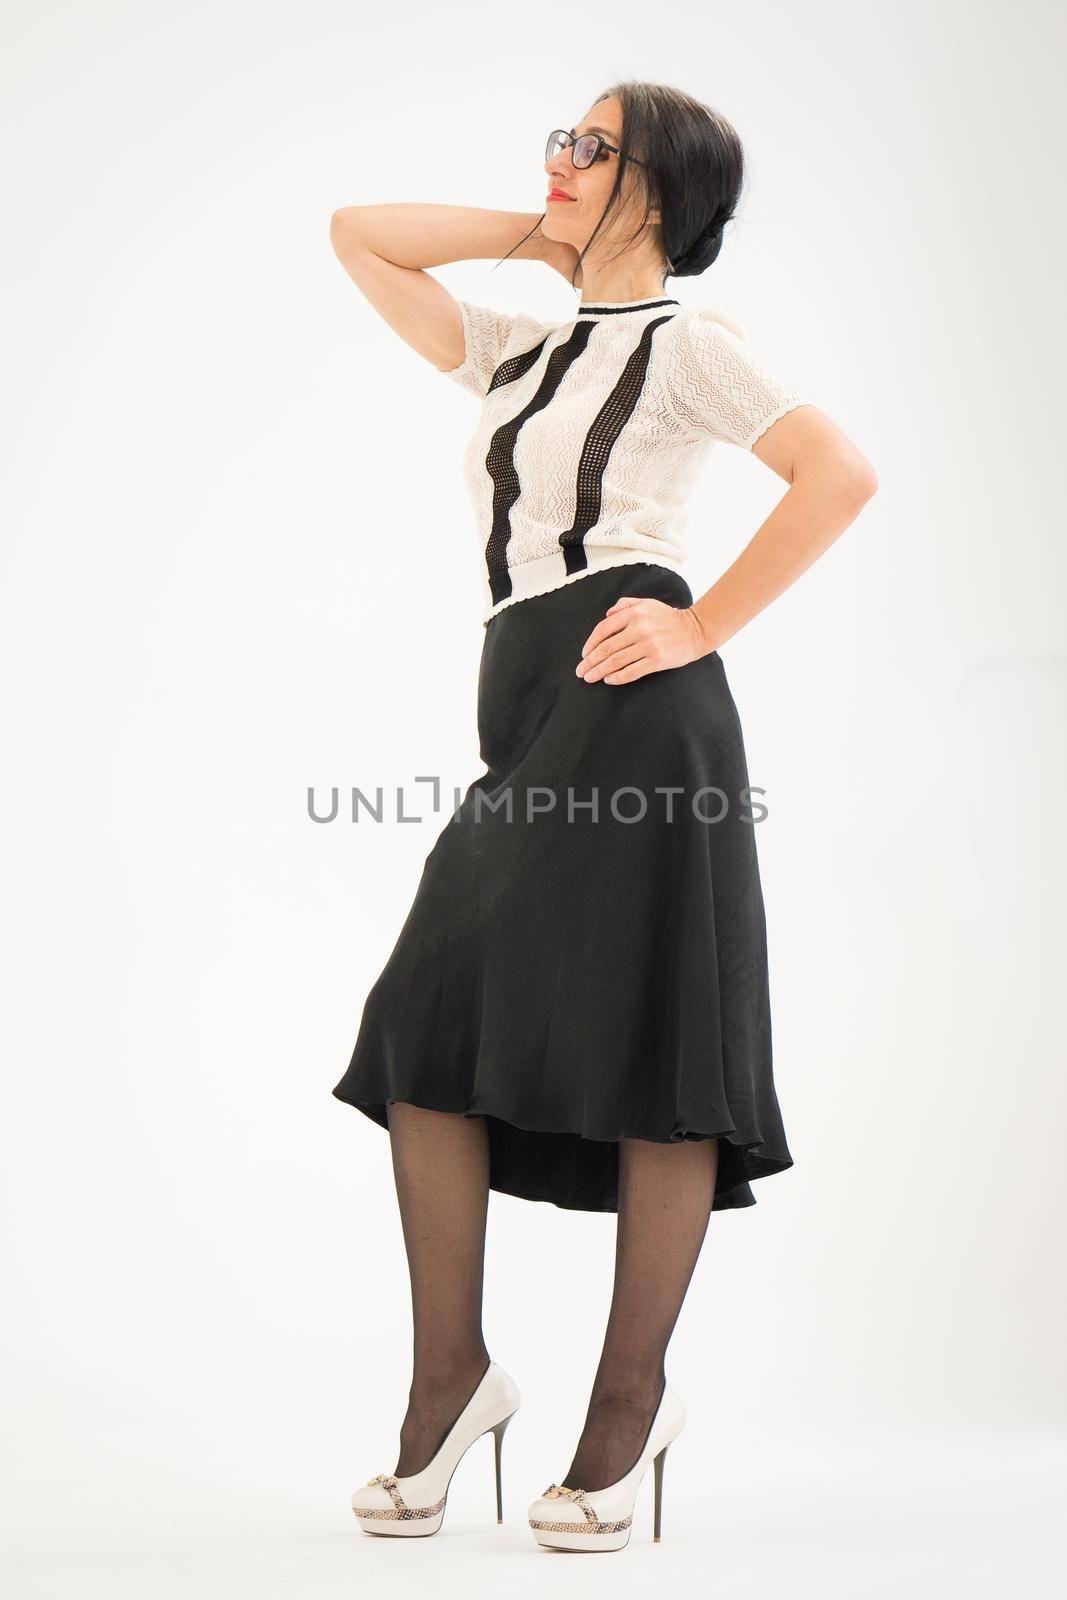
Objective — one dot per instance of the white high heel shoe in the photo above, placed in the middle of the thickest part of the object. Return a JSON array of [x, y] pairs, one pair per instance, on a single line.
[[415, 1506], [601, 1519]]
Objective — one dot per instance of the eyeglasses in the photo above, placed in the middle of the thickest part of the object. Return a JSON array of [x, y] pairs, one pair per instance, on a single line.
[[585, 147]]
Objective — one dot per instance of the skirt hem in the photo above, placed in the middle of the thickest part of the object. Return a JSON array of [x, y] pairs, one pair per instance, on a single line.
[[749, 1165]]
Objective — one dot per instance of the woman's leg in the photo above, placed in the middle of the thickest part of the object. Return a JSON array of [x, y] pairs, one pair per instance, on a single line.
[[665, 1197], [441, 1166]]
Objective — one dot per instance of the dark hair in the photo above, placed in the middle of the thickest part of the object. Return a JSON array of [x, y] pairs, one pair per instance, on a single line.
[[694, 173]]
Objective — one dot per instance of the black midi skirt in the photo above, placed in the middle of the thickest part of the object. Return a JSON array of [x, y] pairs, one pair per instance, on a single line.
[[585, 958]]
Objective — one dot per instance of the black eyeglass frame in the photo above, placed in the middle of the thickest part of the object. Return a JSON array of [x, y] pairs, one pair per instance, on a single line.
[[599, 143]]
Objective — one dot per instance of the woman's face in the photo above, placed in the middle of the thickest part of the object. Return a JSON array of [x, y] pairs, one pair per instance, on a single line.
[[571, 220]]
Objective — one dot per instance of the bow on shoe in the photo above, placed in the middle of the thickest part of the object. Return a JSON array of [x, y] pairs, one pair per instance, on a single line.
[[556, 1490], [400, 1511], [592, 1523]]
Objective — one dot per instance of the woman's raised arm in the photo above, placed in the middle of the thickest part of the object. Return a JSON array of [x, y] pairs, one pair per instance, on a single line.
[[385, 250]]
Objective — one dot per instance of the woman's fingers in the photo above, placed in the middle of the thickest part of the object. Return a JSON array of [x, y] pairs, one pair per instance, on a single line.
[[625, 655], [618, 624], [639, 635]]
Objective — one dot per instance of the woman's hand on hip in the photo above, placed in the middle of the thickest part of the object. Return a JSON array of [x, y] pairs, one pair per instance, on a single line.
[[639, 635]]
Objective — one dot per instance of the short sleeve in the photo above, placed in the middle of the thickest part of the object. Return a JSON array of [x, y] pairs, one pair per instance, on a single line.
[[485, 333], [721, 384]]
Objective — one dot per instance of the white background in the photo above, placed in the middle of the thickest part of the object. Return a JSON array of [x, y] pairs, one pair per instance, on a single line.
[[239, 561]]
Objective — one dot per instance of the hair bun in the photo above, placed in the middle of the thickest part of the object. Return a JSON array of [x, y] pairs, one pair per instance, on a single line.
[[702, 251]]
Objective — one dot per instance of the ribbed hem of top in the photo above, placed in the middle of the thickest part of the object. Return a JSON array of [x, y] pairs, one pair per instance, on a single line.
[[549, 572], [789, 404]]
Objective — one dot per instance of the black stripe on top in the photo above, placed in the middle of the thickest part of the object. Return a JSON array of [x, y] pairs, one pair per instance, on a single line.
[[609, 422], [500, 459], [616, 311], [514, 367]]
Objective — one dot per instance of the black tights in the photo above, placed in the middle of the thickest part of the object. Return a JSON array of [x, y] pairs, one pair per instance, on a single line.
[[441, 1165]]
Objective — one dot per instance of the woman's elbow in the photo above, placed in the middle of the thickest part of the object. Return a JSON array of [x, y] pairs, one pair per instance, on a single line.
[[857, 478], [343, 226], [823, 451]]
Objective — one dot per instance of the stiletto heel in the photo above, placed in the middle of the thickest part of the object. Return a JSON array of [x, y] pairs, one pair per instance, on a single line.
[[657, 1517], [415, 1506], [498, 1444], [601, 1519]]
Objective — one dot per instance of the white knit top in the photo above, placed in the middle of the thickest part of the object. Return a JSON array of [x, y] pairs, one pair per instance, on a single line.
[[592, 431]]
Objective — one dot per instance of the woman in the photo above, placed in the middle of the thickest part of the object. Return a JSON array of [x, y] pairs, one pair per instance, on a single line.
[[576, 1009]]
